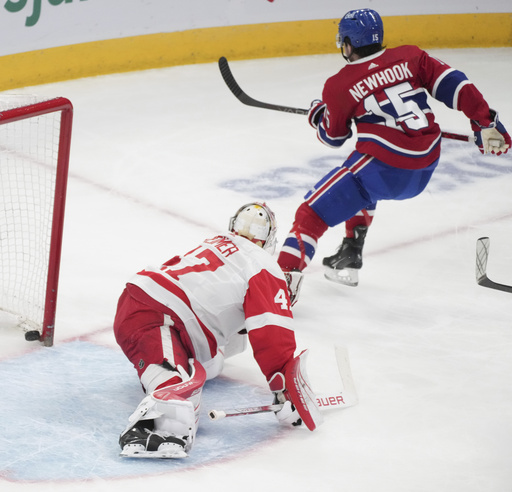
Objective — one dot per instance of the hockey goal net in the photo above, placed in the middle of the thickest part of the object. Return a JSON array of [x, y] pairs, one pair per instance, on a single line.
[[35, 138]]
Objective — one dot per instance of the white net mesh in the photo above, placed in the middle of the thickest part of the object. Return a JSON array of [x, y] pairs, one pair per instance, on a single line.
[[28, 167]]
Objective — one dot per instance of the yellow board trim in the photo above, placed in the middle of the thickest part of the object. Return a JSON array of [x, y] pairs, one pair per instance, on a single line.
[[242, 42]]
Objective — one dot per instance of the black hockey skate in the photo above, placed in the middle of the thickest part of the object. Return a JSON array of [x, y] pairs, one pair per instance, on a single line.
[[343, 266], [141, 442]]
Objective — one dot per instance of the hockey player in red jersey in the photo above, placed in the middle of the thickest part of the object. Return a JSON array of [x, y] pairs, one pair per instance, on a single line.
[[176, 324], [383, 92]]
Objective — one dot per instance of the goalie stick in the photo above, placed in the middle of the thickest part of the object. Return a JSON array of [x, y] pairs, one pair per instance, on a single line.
[[244, 98], [482, 255], [343, 399], [325, 402]]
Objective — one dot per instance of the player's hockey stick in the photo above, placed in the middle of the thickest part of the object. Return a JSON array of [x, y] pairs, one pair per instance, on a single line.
[[343, 399], [233, 86], [482, 255], [244, 98]]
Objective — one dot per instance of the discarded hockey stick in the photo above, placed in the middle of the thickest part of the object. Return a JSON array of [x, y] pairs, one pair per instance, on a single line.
[[482, 255], [244, 98], [343, 399]]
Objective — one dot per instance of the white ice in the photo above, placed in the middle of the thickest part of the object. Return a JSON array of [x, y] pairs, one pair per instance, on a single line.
[[161, 159]]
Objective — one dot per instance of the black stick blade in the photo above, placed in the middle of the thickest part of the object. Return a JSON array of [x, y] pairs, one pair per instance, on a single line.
[[244, 98]]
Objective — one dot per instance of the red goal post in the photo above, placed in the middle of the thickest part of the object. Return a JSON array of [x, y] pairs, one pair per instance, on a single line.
[[35, 141]]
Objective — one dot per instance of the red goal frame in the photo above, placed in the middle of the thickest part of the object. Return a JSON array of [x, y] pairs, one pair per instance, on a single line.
[[63, 105]]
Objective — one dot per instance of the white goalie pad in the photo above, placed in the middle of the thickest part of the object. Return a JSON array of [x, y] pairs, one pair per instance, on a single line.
[[177, 419], [300, 392], [173, 432], [175, 408]]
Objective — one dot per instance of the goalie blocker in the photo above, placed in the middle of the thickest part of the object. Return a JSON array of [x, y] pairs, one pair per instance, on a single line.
[[293, 389]]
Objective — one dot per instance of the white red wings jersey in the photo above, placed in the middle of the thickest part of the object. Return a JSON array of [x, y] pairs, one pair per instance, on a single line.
[[225, 285], [385, 95]]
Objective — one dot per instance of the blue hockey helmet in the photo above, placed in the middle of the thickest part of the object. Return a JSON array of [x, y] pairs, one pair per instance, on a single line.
[[362, 26]]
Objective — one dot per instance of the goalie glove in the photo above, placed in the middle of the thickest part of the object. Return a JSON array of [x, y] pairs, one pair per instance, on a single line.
[[288, 414], [316, 113], [492, 139], [294, 280], [294, 387]]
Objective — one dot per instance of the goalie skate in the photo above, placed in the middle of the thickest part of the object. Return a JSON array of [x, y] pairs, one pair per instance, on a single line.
[[165, 422], [141, 442], [347, 276]]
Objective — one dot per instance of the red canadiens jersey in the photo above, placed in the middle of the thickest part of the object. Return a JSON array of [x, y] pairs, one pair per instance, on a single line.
[[385, 95], [225, 285]]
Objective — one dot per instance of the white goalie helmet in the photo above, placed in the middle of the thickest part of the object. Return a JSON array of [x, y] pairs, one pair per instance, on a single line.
[[256, 222]]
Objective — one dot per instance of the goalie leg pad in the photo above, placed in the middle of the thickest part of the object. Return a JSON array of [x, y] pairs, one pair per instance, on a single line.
[[177, 420], [174, 415], [180, 404]]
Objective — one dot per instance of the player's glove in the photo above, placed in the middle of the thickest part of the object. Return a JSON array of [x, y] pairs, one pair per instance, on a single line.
[[492, 139], [294, 281], [288, 414], [316, 112]]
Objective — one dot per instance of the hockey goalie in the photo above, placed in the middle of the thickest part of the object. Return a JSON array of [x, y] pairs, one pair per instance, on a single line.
[[176, 323]]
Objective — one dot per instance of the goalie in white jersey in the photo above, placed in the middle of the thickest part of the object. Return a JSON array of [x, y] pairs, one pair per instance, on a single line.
[[177, 322]]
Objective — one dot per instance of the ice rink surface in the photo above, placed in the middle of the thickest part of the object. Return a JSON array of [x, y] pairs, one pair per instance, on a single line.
[[160, 160]]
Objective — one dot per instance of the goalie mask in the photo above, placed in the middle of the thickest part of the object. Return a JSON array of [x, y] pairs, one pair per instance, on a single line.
[[256, 222]]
